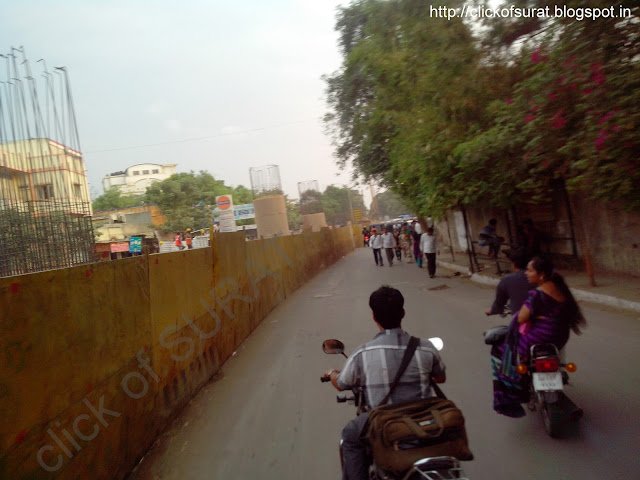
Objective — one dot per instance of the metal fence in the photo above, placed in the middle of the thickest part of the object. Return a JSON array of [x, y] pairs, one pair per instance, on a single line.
[[45, 209]]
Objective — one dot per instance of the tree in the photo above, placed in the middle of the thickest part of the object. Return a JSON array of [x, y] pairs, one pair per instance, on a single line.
[[242, 195], [311, 202], [186, 199], [573, 115], [294, 218], [411, 88], [444, 120], [113, 199], [338, 203], [391, 205]]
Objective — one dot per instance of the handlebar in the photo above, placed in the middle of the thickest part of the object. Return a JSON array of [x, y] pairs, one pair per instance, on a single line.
[[325, 378]]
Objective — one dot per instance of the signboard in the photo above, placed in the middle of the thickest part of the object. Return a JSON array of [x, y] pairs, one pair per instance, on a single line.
[[357, 215], [224, 213], [120, 247], [243, 212], [103, 247], [135, 245], [224, 202]]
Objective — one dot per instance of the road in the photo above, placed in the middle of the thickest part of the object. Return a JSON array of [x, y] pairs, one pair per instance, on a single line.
[[267, 416]]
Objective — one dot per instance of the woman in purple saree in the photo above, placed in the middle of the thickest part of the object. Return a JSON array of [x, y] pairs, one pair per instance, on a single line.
[[547, 316]]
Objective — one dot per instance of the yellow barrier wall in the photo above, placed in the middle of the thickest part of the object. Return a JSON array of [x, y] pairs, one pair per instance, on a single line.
[[95, 360]]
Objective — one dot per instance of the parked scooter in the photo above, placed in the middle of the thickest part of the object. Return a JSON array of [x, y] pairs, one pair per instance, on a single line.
[[433, 468]]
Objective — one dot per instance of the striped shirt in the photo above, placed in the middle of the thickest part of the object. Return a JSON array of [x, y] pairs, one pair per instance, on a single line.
[[374, 365]]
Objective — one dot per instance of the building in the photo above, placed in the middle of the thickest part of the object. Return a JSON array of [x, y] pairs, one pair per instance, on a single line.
[[136, 179], [45, 208], [45, 174]]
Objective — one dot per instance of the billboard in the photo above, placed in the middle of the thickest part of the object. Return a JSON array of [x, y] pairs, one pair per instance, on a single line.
[[244, 212]]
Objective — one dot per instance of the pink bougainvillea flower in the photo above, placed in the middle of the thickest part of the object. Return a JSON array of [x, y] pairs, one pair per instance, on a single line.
[[552, 96], [559, 122], [529, 118], [599, 143], [597, 75], [537, 57], [587, 91], [606, 117], [545, 163], [616, 128], [509, 101]]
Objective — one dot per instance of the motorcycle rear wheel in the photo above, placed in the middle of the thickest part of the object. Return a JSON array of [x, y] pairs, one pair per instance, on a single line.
[[552, 416]]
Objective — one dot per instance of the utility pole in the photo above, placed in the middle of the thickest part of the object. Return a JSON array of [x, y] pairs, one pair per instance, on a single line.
[[374, 203]]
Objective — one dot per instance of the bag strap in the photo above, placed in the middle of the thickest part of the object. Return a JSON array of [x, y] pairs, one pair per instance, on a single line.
[[438, 391], [408, 353]]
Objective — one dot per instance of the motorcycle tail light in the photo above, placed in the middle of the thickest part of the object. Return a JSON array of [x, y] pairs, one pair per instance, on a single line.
[[546, 364], [521, 369], [571, 367]]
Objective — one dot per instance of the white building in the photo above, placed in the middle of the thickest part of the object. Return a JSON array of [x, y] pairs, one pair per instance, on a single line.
[[135, 179]]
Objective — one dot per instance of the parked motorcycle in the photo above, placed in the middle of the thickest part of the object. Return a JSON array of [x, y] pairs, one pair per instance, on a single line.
[[433, 468]]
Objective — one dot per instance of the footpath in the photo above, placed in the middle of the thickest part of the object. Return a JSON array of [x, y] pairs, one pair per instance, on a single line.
[[613, 290]]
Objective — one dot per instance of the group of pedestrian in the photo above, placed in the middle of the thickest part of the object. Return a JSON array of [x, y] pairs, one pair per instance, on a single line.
[[404, 242], [184, 239]]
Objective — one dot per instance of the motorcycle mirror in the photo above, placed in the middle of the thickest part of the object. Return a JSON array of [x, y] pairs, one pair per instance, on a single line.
[[437, 342], [333, 346]]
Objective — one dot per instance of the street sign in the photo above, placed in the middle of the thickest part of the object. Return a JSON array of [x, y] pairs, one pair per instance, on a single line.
[[357, 215]]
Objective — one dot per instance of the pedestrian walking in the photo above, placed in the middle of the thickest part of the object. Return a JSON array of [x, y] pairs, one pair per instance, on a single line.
[[416, 231], [376, 245], [429, 246], [389, 244], [398, 248], [406, 242]]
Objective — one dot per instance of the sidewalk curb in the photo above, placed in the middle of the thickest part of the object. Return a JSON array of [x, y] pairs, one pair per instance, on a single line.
[[578, 294]]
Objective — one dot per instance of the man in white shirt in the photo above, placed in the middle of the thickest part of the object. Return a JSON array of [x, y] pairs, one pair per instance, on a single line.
[[389, 244], [429, 247], [376, 244]]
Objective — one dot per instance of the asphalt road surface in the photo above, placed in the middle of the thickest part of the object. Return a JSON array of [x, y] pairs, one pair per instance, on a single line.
[[267, 416]]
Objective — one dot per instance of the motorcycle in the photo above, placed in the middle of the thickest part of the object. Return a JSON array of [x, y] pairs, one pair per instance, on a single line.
[[432, 468], [546, 376]]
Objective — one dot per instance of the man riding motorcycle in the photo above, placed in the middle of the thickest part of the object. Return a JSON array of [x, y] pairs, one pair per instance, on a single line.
[[514, 287], [373, 366]]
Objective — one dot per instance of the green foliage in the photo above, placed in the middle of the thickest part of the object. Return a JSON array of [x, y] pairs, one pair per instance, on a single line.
[[294, 218], [112, 199], [188, 199], [311, 202], [337, 203], [443, 119], [391, 205]]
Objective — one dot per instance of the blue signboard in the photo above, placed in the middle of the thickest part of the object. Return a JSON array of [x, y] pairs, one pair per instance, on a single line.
[[135, 245], [243, 212]]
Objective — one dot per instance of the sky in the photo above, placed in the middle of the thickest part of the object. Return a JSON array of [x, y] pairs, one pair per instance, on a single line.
[[211, 85]]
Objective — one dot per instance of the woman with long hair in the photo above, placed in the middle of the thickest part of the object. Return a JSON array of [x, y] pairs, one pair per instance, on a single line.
[[547, 316]]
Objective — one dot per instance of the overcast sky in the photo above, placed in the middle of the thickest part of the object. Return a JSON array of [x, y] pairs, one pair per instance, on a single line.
[[243, 73]]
